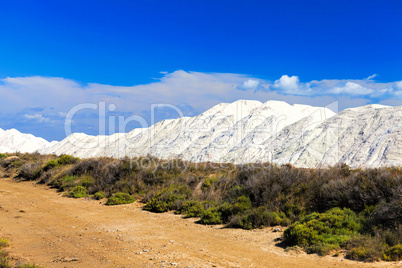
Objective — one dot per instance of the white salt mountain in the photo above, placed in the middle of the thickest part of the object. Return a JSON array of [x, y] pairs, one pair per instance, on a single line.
[[251, 131], [365, 136], [14, 141]]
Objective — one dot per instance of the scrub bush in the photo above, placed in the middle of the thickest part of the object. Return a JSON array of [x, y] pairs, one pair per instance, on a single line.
[[120, 199], [99, 195], [66, 159], [329, 230], [171, 198], [78, 192]]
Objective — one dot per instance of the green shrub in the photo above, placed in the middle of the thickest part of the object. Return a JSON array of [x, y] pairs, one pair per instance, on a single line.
[[217, 214], [224, 212], [78, 192], [195, 211], [258, 218], [3, 155], [294, 212], [212, 215], [87, 181], [171, 198], [334, 227], [119, 199], [240, 214], [99, 195], [235, 191], [208, 182], [394, 253], [65, 183], [191, 209], [66, 159], [241, 205], [50, 164]]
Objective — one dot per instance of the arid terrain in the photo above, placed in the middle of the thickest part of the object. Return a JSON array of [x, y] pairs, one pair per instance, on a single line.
[[54, 231]]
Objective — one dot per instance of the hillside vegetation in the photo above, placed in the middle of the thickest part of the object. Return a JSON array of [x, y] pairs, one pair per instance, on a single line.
[[324, 210]]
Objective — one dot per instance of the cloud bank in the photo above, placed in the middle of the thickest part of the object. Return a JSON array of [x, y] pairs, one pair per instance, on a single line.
[[348, 87], [39, 104]]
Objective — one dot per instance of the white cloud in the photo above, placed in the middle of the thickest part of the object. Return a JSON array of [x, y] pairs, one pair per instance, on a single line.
[[40, 82], [371, 76], [397, 90], [392, 89], [250, 84], [37, 117], [398, 85], [351, 88], [199, 90], [291, 85], [37, 91], [287, 84]]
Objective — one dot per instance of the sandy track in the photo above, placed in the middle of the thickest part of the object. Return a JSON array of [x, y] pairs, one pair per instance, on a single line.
[[55, 231]]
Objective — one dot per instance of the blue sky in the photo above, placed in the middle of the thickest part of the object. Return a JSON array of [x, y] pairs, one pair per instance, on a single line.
[[55, 55]]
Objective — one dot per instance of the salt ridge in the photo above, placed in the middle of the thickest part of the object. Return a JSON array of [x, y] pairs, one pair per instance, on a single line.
[[14, 141], [250, 131]]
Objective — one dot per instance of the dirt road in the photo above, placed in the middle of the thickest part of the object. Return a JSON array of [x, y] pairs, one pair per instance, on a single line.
[[54, 231]]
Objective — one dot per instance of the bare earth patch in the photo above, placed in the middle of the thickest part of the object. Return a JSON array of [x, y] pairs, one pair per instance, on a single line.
[[54, 231]]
